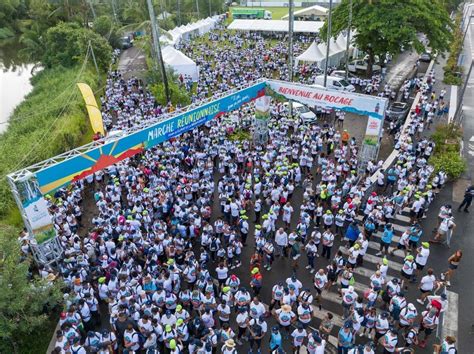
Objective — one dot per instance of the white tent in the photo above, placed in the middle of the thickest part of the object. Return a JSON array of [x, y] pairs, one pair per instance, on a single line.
[[313, 54], [180, 63], [275, 26], [315, 12]]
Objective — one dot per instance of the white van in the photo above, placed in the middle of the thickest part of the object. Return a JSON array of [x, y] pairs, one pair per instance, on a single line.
[[300, 110], [335, 83]]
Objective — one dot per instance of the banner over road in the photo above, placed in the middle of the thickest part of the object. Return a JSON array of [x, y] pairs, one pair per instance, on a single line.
[[80, 166], [312, 96]]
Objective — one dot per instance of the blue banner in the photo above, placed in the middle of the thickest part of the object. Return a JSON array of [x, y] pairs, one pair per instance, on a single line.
[[78, 167]]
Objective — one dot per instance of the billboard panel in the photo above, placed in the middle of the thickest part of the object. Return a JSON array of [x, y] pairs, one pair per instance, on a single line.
[[80, 166]]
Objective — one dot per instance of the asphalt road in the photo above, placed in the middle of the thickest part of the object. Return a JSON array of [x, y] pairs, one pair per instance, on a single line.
[[130, 63]]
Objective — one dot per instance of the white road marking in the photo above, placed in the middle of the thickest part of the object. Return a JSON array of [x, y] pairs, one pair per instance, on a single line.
[[450, 320]]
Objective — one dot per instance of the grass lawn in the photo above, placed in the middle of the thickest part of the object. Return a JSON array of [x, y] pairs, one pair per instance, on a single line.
[[277, 12]]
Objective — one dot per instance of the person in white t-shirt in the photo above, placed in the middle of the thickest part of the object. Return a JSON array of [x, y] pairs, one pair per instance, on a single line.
[[427, 285]]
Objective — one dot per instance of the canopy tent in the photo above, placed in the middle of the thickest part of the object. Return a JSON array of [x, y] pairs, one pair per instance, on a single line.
[[180, 63], [313, 13], [317, 53], [312, 54], [190, 30], [275, 26]]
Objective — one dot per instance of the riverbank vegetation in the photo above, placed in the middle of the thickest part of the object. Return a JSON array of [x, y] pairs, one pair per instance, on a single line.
[[52, 119]]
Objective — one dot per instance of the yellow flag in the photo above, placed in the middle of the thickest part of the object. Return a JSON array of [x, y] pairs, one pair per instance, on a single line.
[[94, 112]]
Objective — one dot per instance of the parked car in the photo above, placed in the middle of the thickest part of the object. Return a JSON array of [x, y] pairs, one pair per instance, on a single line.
[[397, 111], [302, 111], [126, 42], [334, 83], [425, 57], [341, 73], [361, 65]]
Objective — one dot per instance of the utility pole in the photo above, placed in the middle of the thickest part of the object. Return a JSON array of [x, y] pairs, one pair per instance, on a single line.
[[114, 10], [93, 58], [348, 39], [290, 49], [326, 66], [156, 45], [179, 12], [92, 9], [463, 90], [210, 8], [197, 8]]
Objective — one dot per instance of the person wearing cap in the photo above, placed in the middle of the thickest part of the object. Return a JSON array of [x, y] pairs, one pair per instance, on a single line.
[[276, 340], [345, 338], [408, 269], [381, 325], [229, 347], [257, 329], [299, 335], [256, 281], [468, 195], [422, 254], [108, 340]]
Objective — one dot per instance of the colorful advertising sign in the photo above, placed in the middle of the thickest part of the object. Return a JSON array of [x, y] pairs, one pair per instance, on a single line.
[[78, 167], [95, 116], [36, 209], [320, 97], [365, 105]]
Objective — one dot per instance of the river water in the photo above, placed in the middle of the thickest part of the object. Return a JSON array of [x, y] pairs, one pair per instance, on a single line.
[[15, 75]]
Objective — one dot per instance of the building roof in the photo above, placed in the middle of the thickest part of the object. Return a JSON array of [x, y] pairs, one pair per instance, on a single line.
[[276, 26], [315, 10]]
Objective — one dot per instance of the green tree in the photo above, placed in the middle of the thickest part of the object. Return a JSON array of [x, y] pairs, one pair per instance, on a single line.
[[387, 26], [25, 301], [66, 44], [104, 26]]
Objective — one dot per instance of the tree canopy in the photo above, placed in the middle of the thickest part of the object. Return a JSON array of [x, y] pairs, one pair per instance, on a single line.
[[388, 26], [66, 45], [25, 302]]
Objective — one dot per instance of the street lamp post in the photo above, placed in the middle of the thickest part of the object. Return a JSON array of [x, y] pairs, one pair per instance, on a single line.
[[290, 44], [328, 44], [156, 44], [348, 39]]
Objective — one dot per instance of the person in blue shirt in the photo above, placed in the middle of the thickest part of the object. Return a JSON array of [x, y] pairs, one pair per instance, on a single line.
[[352, 233], [275, 339], [345, 338], [386, 239], [369, 227], [415, 235]]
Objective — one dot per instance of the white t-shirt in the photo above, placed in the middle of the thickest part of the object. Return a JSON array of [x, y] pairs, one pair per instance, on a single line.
[[428, 282], [284, 318], [222, 273]]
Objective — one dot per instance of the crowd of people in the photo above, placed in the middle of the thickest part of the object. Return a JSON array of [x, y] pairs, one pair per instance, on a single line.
[[183, 235]]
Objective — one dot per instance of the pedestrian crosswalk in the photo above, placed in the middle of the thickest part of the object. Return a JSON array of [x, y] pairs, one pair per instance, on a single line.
[[331, 298]]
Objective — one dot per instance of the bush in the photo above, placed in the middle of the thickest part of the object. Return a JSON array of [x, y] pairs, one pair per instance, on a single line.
[[6, 32], [26, 303], [451, 69], [450, 162], [240, 135], [178, 94], [446, 137], [52, 119]]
